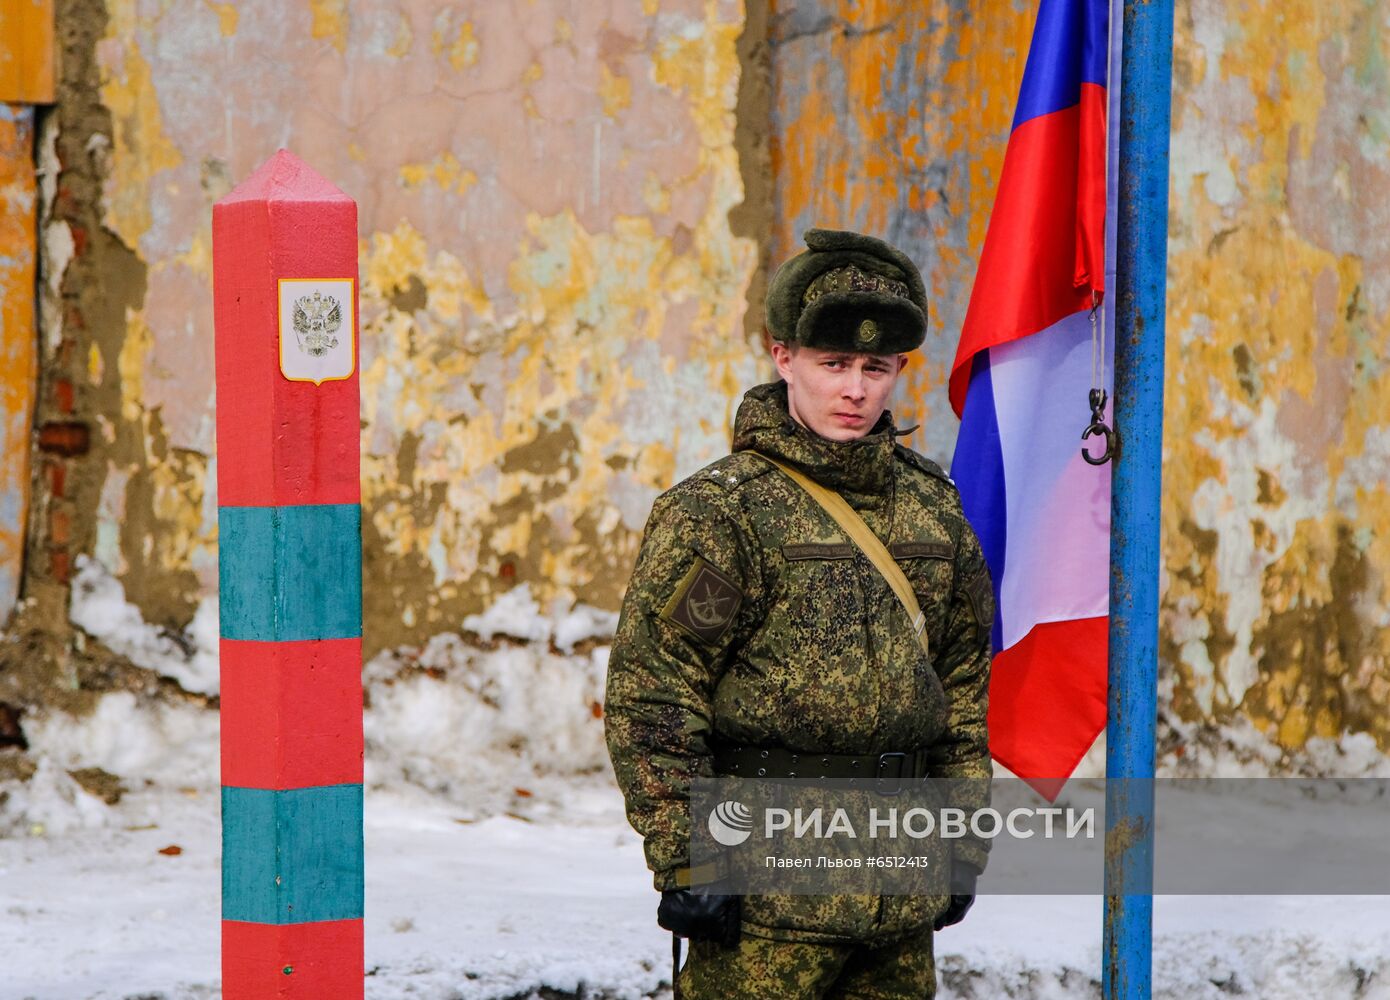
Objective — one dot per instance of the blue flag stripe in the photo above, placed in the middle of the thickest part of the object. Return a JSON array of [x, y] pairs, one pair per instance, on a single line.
[[1070, 47], [978, 469]]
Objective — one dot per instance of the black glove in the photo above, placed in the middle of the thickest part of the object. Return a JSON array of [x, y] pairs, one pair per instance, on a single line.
[[963, 878], [700, 917]]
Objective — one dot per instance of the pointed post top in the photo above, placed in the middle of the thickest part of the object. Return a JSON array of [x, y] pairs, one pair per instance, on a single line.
[[285, 177]]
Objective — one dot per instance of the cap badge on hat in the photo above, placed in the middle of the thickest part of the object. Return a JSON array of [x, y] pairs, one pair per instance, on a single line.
[[868, 330]]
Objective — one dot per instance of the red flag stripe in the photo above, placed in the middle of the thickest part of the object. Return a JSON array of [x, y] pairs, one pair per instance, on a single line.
[[1047, 701], [1044, 253]]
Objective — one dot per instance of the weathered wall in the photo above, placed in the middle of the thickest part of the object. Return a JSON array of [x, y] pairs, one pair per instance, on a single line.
[[565, 215], [552, 300], [892, 119], [1278, 405]]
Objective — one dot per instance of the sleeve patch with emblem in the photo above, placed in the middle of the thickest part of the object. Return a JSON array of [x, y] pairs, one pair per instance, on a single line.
[[705, 603], [980, 592]]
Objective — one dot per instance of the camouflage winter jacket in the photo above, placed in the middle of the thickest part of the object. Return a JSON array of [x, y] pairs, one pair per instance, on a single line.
[[750, 619]]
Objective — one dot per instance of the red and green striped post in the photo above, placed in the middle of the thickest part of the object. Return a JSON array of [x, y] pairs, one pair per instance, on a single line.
[[290, 542]]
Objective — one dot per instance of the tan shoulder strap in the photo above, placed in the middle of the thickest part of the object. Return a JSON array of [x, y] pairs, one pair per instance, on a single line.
[[862, 535]]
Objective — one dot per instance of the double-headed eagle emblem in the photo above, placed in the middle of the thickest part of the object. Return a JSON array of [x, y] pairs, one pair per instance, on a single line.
[[317, 318]]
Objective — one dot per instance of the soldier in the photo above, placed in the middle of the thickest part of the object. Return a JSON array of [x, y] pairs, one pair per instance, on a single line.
[[750, 622]]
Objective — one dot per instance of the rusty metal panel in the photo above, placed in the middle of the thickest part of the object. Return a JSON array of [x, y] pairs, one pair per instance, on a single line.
[[18, 340], [26, 51]]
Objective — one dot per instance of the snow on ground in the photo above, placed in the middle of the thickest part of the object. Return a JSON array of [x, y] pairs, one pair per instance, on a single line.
[[499, 863], [493, 908], [502, 907]]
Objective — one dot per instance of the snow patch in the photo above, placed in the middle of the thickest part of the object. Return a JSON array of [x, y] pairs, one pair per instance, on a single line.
[[477, 725], [100, 609], [517, 615], [141, 740], [49, 804]]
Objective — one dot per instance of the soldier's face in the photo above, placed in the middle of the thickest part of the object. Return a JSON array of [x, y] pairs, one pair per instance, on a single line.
[[838, 394]]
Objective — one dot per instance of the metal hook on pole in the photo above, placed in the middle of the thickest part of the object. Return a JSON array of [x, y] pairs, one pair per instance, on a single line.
[[1099, 428]]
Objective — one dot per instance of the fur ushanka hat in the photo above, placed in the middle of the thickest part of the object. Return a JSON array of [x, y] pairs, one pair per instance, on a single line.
[[848, 292]]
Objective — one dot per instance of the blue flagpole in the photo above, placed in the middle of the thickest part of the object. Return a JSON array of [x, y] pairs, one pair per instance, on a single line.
[[1141, 265]]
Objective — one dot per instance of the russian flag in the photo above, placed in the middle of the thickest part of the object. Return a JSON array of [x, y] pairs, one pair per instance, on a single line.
[[1020, 383]]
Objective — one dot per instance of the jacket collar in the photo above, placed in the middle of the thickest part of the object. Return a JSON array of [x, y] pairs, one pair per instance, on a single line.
[[863, 466]]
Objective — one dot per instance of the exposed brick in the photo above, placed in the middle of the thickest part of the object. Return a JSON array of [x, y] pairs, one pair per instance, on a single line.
[[66, 438], [59, 526], [59, 565], [63, 395]]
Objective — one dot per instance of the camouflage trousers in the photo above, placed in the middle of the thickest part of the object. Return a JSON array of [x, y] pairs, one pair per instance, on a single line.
[[761, 969]]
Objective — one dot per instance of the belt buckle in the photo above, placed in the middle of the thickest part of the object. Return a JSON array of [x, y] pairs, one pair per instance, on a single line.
[[897, 778]]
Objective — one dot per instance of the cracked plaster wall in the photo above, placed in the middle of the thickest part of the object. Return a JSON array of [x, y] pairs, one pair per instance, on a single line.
[[1277, 438], [554, 285], [552, 300]]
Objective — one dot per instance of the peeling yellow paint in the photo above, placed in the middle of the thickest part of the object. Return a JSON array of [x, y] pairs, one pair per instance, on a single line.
[[456, 42], [198, 256], [178, 484], [227, 15], [656, 197], [463, 52], [1277, 422], [616, 92], [96, 368], [141, 150], [705, 67], [131, 364], [330, 21], [405, 38], [394, 257], [444, 170], [613, 287]]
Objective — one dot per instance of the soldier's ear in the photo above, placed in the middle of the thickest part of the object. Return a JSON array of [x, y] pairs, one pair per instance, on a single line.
[[781, 357]]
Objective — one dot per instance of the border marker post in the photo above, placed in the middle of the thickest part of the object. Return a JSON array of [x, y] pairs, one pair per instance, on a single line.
[[290, 573]]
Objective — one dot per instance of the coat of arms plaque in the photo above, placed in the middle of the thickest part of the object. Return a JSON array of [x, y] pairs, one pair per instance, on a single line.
[[317, 326]]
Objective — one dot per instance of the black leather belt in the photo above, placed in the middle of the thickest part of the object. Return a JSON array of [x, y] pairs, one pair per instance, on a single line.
[[885, 773]]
